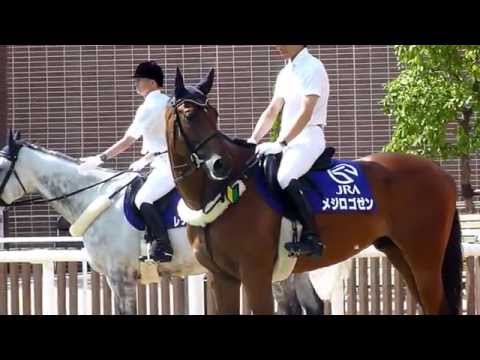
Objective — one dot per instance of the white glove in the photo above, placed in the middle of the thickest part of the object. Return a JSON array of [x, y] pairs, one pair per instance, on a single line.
[[139, 164], [251, 140], [268, 148], [90, 163]]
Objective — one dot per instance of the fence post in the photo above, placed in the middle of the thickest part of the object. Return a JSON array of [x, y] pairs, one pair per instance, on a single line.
[[337, 301], [85, 286], [48, 285], [196, 303]]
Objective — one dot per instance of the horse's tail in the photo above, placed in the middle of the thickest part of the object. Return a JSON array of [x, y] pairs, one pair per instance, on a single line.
[[452, 267]]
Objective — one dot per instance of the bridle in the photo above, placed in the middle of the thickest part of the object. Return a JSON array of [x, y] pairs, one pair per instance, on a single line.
[[196, 161], [13, 157], [11, 170]]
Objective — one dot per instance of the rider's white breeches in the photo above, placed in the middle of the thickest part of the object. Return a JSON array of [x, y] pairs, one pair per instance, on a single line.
[[300, 154], [159, 183]]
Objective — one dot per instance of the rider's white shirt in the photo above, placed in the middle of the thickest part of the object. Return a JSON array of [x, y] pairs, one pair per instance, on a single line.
[[305, 75], [149, 123]]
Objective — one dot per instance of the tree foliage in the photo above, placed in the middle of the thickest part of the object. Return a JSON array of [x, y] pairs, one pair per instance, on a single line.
[[437, 85]]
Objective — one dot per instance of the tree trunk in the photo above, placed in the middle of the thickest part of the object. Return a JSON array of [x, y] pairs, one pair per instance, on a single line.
[[466, 185], [465, 170]]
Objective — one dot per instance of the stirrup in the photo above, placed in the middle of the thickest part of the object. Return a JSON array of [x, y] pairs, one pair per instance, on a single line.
[[304, 248], [164, 257], [163, 252]]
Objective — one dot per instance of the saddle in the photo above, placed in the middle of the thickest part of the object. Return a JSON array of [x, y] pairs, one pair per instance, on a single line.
[[166, 206], [270, 164]]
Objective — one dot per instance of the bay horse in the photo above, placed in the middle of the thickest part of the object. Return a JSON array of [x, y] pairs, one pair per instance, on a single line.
[[111, 243], [415, 224]]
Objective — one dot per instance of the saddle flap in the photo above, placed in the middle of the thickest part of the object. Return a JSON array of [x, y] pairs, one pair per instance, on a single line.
[[132, 191], [324, 161], [270, 165], [130, 210], [166, 206]]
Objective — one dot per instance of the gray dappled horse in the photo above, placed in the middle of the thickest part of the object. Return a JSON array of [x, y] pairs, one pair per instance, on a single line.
[[111, 243], [296, 295]]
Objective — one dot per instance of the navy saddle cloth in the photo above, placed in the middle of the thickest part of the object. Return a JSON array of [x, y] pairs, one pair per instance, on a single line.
[[331, 186], [167, 207]]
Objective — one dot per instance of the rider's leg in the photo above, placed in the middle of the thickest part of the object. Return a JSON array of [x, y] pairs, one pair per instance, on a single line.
[[158, 184], [298, 158]]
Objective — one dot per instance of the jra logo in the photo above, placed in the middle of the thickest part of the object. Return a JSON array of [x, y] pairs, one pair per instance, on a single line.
[[342, 174]]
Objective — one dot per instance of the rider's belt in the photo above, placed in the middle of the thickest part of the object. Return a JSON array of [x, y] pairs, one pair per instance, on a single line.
[[159, 153]]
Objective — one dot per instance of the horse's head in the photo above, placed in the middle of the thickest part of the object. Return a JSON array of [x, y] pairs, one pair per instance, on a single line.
[[10, 189], [194, 141]]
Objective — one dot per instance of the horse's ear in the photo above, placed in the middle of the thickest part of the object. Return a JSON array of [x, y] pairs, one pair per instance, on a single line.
[[206, 84], [179, 86], [11, 139], [12, 144], [16, 135]]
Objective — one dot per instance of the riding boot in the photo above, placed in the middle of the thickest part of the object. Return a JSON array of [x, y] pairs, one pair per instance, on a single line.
[[309, 243], [160, 249]]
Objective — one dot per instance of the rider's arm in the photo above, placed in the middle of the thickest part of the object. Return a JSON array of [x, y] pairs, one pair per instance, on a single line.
[[133, 133], [120, 146], [267, 118], [313, 85], [306, 110]]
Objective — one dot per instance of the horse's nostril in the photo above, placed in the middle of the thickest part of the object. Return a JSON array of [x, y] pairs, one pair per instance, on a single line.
[[218, 165], [218, 168]]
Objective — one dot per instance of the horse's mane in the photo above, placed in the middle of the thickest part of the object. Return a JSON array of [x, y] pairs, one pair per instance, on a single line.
[[234, 140], [50, 152], [55, 153]]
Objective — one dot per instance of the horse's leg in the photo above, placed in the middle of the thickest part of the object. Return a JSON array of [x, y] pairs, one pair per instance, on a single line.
[[123, 283], [307, 295], [227, 293], [257, 281], [395, 256], [286, 297], [431, 290], [426, 268]]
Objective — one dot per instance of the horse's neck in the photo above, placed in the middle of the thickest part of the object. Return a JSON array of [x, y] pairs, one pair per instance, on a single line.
[[52, 176], [241, 156]]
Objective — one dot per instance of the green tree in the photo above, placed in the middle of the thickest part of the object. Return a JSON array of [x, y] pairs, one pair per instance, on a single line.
[[434, 102], [275, 130]]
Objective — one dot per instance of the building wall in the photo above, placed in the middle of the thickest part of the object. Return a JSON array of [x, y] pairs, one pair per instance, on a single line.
[[80, 99]]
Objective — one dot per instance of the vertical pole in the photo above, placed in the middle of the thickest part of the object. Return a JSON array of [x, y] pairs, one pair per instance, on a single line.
[[196, 302], [48, 293]]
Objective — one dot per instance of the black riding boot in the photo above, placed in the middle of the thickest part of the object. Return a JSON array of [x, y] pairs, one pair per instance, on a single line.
[[160, 249], [309, 243]]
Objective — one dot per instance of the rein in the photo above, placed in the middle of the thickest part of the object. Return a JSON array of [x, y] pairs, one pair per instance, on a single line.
[[39, 199]]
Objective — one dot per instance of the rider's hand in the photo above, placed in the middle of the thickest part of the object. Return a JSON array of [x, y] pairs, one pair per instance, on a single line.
[[269, 148], [90, 162]]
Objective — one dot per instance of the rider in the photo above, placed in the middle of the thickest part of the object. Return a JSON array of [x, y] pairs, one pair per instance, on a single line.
[[302, 89], [149, 123]]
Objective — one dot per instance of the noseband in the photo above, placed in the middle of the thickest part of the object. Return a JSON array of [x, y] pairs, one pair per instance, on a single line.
[[11, 170]]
